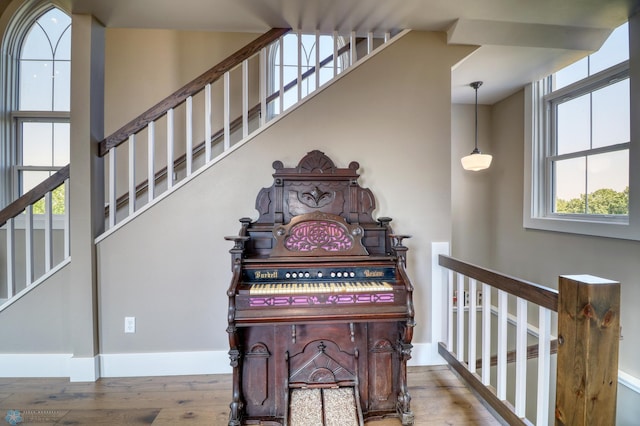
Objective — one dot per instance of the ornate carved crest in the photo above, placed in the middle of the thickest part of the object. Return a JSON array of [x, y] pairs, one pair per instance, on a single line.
[[318, 234]]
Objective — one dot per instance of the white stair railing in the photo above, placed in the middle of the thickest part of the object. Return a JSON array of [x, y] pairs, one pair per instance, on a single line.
[[34, 235], [179, 131]]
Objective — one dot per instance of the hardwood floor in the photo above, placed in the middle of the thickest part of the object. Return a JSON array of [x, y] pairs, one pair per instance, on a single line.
[[438, 398]]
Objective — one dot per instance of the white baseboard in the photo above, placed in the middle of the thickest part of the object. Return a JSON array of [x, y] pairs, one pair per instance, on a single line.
[[173, 364], [84, 369], [34, 365], [425, 354], [164, 364]]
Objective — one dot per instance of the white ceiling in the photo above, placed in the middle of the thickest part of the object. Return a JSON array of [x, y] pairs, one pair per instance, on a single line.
[[520, 40]]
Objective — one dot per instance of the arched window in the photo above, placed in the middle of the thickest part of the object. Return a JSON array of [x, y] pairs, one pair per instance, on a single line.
[[289, 61], [36, 73]]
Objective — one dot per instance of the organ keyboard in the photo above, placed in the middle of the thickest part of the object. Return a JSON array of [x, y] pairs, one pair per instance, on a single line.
[[318, 287], [316, 277]]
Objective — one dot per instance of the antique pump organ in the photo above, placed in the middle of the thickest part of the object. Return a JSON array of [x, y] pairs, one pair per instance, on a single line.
[[319, 302]]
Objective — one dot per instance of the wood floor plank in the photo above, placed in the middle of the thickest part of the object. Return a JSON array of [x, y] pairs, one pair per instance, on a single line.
[[438, 398]]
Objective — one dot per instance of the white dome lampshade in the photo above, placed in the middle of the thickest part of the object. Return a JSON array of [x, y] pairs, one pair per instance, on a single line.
[[476, 160]]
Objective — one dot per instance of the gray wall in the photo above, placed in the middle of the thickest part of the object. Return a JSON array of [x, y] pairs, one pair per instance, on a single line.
[[38, 323], [537, 256], [170, 267]]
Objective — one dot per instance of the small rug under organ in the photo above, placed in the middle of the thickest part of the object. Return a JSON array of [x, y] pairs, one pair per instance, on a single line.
[[323, 407]]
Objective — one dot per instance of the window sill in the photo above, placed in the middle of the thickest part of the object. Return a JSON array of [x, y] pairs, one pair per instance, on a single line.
[[594, 228]]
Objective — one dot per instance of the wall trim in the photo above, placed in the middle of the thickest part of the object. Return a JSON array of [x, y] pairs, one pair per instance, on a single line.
[[173, 364], [5, 303], [34, 365], [164, 364], [629, 381], [425, 354], [84, 369]]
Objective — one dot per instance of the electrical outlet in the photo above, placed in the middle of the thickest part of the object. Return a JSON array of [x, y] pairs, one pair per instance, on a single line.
[[479, 298], [129, 324], [466, 298]]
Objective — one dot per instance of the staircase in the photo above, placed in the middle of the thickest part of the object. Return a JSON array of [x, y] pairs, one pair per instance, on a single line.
[[35, 234]]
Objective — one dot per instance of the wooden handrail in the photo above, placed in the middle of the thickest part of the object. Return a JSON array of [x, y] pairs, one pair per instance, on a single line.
[[39, 191], [535, 293], [189, 89], [233, 125]]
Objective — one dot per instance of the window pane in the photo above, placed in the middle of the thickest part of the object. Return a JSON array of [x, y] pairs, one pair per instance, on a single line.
[[612, 52], [611, 123], [63, 50], [54, 23], [36, 45], [61, 138], [37, 144], [35, 85], [571, 74], [608, 183], [569, 185], [31, 178], [573, 125], [61, 86]]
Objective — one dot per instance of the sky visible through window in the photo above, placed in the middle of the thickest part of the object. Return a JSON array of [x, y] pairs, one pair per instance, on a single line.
[[607, 109], [45, 71]]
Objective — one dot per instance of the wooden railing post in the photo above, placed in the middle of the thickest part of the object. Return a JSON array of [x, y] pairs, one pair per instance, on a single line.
[[588, 339]]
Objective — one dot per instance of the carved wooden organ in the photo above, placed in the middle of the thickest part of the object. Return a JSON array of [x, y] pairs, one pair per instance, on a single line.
[[319, 301]]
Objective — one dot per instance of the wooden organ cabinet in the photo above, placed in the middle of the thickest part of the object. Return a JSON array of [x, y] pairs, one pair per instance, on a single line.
[[319, 301]]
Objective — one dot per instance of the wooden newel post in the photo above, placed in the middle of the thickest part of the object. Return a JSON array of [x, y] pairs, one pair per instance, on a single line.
[[588, 339]]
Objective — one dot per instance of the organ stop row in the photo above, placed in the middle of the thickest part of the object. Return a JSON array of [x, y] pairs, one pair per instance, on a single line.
[[320, 304]]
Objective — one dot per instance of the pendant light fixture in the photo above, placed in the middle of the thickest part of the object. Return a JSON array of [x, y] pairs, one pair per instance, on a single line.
[[476, 160]]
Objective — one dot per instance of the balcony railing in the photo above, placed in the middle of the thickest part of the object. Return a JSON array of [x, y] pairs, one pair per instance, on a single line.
[[484, 339]]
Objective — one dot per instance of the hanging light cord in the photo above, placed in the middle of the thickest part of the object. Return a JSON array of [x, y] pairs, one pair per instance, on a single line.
[[475, 85]]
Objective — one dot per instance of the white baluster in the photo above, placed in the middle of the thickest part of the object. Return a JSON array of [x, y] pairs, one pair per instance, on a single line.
[[48, 232], [521, 356], [353, 53], [317, 59], [486, 334], [11, 258], [227, 110], [170, 148], [299, 85], [387, 37], [207, 123], [472, 325], [112, 187], [460, 318], [450, 310], [281, 73], [544, 365], [335, 53], [189, 141], [28, 245], [502, 345], [263, 87], [245, 98], [132, 174], [151, 159], [369, 43], [67, 221]]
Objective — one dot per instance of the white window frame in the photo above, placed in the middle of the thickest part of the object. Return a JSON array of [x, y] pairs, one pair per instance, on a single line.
[[272, 70], [537, 212], [14, 36], [20, 117]]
